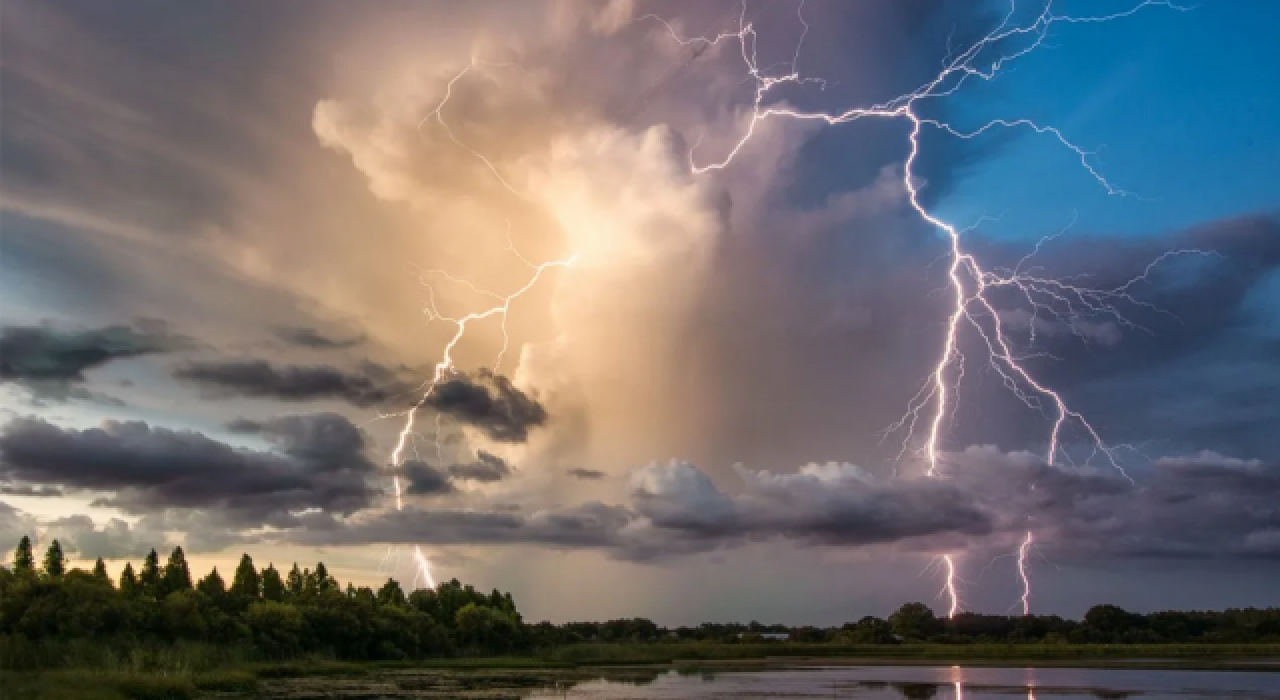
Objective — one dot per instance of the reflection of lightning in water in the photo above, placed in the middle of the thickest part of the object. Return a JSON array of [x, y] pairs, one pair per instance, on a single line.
[[971, 283], [1022, 573]]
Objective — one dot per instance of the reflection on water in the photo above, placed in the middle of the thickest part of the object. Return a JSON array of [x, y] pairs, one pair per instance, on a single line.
[[863, 682], [934, 683]]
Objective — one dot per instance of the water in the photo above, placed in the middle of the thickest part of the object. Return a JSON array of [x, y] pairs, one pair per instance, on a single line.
[[849, 681], [933, 683]]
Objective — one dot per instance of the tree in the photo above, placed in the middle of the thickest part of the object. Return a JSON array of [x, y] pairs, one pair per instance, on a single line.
[[324, 581], [23, 559], [128, 581], [100, 571], [294, 583], [480, 625], [272, 585], [914, 621], [149, 577], [391, 594], [245, 583], [309, 587], [212, 585], [177, 577], [55, 563]]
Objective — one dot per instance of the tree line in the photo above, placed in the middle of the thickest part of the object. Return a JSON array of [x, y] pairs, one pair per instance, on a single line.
[[307, 612], [274, 616]]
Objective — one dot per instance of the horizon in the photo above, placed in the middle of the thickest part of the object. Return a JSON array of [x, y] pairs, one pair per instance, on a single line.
[[786, 310]]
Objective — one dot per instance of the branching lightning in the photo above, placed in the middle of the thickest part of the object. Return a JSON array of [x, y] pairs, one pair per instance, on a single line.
[[971, 283], [501, 309]]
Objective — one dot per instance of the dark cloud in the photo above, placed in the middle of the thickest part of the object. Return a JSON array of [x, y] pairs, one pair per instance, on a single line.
[[46, 353], [1179, 366], [30, 490], [486, 468], [1184, 303], [425, 479], [590, 525], [304, 337], [261, 379], [588, 474], [318, 463], [1203, 506], [834, 504], [489, 402]]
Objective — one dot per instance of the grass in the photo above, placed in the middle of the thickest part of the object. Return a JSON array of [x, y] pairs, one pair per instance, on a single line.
[[95, 685]]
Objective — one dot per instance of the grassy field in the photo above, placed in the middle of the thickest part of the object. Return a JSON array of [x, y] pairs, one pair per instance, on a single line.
[[176, 677]]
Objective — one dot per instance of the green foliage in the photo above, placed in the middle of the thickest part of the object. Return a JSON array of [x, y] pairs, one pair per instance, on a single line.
[[294, 582], [100, 571], [177, 577], [213, 586], [128, 581], [245, 583], [79, 619], [272, 585], [23, 559], [914, 621], [55, 562], [149, 577], [392, 594]]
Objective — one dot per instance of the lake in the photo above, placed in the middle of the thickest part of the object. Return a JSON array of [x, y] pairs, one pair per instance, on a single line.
[[869, 682]]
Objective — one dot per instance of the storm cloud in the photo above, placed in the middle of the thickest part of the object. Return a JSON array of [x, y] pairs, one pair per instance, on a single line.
[[304, 337], [261, 379], [490, 403], [317, 463], [51, 362], [425, 479]]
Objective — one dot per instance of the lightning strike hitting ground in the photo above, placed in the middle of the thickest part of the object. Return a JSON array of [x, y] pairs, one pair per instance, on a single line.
[[460, 323], [950, 586], [970, 282], [1022, 573]]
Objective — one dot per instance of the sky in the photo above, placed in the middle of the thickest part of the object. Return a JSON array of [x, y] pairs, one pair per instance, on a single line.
[[669, 344]]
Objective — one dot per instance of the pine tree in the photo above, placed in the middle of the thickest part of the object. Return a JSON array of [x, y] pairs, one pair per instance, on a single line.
[[246, 583], [177, 577], [149, 577], [294, 583], [128, 581], [324, 581], [309, 586], [391, 593], [272, 585], [212, 585], [55, 563], [100, 571], [23, 559]]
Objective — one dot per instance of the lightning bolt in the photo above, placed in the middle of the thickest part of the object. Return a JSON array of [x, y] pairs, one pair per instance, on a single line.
[[970, 282], [500, 310], [949, 586], [1022, 573]]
